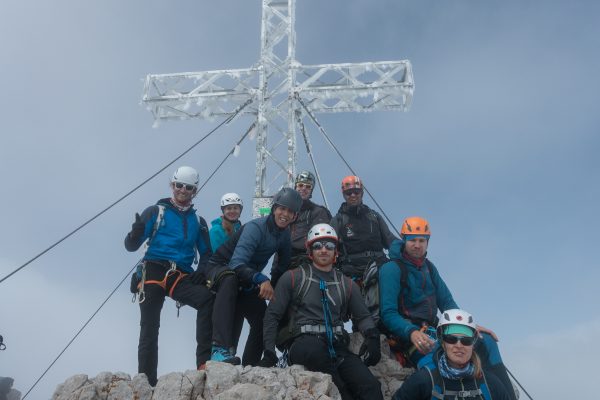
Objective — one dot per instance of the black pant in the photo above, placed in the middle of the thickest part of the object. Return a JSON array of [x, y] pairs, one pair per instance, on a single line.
[[252, 308], [352, 378], [196, 296], [231, 307]]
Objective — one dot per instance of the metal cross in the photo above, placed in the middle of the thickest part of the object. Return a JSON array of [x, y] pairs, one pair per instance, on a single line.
[[272, 85]]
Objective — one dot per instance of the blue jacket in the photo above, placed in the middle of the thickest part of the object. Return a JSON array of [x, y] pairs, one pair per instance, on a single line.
[[218, 235], [177, 238], [249, 250], [400, 312], [421, 384]]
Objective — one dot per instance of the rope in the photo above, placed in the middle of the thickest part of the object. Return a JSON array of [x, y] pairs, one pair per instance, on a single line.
[[518, 383], [311, 115], [312, 159], [80, 330], [327, 318], [227, 156], [226, 121]]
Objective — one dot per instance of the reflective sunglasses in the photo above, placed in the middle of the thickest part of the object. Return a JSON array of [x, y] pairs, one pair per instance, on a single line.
[[464, 340], [304, 185], [351, 192], [319, 245], [189, 188]]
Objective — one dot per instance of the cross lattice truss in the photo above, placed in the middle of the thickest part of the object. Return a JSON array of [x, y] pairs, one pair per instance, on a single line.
[[272, 86]]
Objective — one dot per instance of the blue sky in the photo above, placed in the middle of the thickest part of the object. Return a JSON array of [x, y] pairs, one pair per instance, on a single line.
[[499, 152]]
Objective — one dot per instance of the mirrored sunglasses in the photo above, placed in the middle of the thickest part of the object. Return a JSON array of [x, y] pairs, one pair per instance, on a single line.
[[319, 245], [304, 185], [464, 340], [351, 192], [189, 188]]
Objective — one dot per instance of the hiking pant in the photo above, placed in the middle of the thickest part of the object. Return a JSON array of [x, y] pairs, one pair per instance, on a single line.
[[232, 305], [352, 378], [252, 308], [186, 292]]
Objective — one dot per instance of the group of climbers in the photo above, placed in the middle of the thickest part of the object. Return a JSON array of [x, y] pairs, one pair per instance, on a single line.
[[315, 285]]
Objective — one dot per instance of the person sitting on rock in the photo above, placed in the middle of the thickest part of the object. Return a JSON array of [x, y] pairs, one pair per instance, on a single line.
[[411, 293], [455, 371], [316, 297]]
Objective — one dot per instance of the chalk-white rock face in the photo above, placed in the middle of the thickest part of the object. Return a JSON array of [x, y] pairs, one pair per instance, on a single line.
[[221, 381]]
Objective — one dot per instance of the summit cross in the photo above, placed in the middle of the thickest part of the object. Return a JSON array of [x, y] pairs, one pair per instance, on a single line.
[[274, 88]]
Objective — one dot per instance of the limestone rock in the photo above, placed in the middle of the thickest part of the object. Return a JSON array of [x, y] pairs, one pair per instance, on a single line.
[[221, 381]]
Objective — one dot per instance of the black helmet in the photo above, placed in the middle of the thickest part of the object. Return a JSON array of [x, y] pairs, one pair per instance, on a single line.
[[305, 177], [289, 198]]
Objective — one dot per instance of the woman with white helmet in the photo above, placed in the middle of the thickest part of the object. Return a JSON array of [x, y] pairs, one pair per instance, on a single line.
[[228, 223], [455, 371]]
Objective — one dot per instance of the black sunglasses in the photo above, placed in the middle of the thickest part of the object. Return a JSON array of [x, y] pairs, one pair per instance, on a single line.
[[189, 188], [350, 192], [464, 340], [319, 245]]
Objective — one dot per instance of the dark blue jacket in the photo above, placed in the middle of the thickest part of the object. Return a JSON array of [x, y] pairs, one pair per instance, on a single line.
[[178, 237], [248, 251], [419, 386], [401, 310]]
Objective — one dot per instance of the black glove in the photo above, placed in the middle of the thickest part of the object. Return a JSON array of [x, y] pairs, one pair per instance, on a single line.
[[370, 351], [269, 359], [197, 277], [138, 227]]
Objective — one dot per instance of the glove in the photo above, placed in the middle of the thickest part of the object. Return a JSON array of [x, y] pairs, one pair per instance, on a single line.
[[138, 227], [370, 351], [197, 277], [269, 359]]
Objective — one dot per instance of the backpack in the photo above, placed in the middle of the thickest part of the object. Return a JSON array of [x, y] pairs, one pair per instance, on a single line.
[[438, 388], [287, 330], [370, 289]]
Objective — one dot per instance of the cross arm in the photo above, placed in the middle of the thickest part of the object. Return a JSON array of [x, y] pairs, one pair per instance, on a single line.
[[200, 94], [356, 87]]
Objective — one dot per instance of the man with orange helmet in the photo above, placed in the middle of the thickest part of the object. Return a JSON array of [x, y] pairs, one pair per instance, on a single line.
[[411, 293], [363, 233]]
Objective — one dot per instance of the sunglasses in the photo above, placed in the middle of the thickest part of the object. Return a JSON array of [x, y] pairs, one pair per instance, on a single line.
[[319, 245], [464, 340], [351, 192], [189, 188], [304, 185]]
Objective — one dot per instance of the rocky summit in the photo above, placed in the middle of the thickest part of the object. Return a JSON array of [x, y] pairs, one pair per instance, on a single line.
[[220, 381]]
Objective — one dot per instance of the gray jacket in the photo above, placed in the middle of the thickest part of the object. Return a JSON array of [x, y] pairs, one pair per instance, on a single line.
[[310, 311]]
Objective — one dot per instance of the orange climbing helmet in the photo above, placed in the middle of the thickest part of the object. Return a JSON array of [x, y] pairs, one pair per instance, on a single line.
[[415, 226], [351, 182]]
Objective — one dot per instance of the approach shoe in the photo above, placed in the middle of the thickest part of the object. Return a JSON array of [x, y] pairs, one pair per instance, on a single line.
[[224, 355]]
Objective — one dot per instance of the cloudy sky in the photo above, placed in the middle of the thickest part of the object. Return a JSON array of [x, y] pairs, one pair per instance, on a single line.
[[499, 151]]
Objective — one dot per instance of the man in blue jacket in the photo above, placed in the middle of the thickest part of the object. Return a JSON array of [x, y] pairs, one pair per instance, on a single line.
[[246, 254], [174, 235], [411, 293]]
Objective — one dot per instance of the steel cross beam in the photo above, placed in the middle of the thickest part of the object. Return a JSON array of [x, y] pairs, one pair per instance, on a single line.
[[272, 85]]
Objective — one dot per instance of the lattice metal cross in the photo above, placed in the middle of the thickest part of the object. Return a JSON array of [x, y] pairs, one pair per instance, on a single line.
[[272, 85]]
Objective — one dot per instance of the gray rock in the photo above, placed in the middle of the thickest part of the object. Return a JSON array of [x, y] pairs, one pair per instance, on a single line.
[[219, 378], [141, 388], [242, 391], [173, 386]]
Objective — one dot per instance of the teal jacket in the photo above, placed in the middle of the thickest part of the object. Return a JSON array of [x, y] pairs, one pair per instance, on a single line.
[[402, 310], [218, 236]]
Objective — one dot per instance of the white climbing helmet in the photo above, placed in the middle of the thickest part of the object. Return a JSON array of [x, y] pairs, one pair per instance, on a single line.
[[186, 175], [456, 317], [320, 231], [230, 199]]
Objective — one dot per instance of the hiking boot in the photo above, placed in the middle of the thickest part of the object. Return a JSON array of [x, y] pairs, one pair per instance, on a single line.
[[224, 355]]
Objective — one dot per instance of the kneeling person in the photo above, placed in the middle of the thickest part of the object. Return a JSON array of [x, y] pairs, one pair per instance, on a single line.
[[319, 297]]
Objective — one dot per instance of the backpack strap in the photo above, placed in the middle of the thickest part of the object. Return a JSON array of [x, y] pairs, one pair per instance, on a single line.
[[157, 222], [437, 384]]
